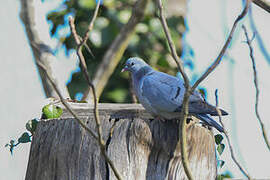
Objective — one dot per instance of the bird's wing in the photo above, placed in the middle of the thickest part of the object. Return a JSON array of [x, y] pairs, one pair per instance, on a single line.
[[198, 105], [162, 91], [165, 93], [202, 107], [209, 121]]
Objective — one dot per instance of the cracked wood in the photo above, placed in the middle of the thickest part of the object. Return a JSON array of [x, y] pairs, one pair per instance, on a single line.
[[140, 147]]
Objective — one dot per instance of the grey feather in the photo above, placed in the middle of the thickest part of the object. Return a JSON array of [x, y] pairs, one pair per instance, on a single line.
[[198, 107], [209, 121]]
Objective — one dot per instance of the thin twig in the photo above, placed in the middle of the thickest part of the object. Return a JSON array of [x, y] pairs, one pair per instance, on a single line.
[[189, 90], [87, 47], [259, 39], [264, 4], [117, 48], [183, 142], [171, 44], [86, 75], [67, 106], [184, 111], [248, 41], [80, 44], [212, 68], [224, 48], [228, 139], [91, 25]]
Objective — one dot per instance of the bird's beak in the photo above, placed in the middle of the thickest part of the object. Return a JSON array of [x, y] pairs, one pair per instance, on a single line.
[[124, 69]]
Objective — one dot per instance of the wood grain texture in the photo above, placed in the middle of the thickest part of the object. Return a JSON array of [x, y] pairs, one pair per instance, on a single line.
[[140, 147]]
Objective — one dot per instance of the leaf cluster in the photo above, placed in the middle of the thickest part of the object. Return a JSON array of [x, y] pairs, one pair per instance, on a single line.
[[49, 111], [148, 42], [26, 137], [220, 148]]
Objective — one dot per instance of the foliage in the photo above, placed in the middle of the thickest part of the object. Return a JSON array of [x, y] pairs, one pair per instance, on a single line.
[[226, 175], [48, 112], [51, 111], [220, 149], [25, 137], [148, 42], [218, 138]]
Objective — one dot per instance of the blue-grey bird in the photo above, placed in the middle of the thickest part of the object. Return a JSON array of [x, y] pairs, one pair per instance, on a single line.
[[162, 94]]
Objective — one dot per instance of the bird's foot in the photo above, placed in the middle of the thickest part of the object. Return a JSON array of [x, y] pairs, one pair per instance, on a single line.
[[206, 126], [189, 119], [160, 118]]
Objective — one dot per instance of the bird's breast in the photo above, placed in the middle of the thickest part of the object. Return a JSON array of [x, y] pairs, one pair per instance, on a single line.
[[137, 85]]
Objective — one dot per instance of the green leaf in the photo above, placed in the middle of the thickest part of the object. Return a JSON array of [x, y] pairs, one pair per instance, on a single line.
[[220, 177], [81, 101], [12, 142], [31, 125], [124, 16], [220, 148], [218, 138], [51, 111], [87, 3], [25, 138], [118, 95], [11, 146], [226, 175], [11, 149], [203, 92], [221, 163]]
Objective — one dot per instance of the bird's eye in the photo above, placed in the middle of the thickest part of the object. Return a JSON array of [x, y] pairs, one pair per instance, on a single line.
[[132, 63]]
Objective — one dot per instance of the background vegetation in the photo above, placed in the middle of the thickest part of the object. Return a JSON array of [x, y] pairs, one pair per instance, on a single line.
[[148, 42]]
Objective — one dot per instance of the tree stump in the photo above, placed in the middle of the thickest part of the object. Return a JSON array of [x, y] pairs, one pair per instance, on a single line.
[[140, 147]]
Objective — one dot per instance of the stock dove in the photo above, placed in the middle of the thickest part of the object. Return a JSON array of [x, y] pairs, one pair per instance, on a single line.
[[162, 94]]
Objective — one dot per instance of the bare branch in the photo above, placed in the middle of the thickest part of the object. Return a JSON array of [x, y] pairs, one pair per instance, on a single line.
[[259, 39], [183, 141], [91, 24], [86, 75], [228, 139], [264, 4], [116, 49], [189, 90], [184, 111], [224, 48], [248, 41], [80, 44], [67, 106], [171, 44], [40, 48], [77, 38]]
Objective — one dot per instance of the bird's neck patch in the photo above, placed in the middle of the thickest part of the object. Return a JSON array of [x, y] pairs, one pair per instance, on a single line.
[[142, 72]]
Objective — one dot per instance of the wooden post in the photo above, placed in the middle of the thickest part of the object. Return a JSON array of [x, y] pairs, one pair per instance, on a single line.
[[140, 147]]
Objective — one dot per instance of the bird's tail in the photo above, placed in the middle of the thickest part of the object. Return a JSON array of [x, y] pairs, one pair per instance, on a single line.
[[209, 121]]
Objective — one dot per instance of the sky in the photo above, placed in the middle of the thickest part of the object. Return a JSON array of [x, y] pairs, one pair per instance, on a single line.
[[21, 91], [207, 32], [22, 95]]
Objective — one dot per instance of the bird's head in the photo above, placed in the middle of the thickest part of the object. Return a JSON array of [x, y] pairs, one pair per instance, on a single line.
[[134, 64]]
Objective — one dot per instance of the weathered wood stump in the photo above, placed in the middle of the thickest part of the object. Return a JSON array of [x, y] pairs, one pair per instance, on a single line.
[[140, 147]]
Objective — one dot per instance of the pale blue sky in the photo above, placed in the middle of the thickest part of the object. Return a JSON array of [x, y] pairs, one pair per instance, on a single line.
[[209, 23]]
